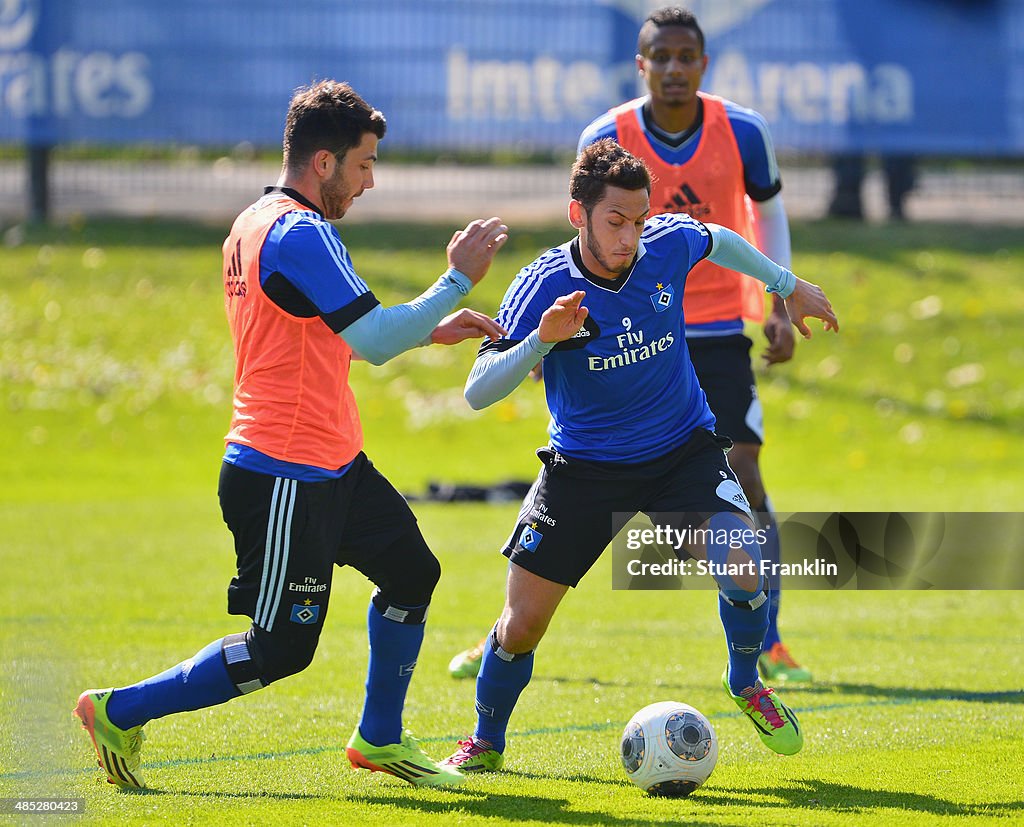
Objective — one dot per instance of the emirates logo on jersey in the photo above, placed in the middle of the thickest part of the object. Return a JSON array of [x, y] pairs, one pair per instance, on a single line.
[[686, 200]]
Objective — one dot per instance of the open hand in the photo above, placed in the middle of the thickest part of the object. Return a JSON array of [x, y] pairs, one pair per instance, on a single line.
[[465, 324], [472, 250], [810, 300], [563, 319]]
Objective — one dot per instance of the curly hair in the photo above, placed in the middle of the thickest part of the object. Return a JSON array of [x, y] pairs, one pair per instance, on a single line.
[[605, 164]]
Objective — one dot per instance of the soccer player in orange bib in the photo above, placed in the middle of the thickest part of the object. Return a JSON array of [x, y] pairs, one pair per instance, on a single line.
[[296, 490]]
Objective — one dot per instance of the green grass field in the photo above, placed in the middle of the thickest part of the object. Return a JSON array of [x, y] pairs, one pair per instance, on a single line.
[[115, 374]]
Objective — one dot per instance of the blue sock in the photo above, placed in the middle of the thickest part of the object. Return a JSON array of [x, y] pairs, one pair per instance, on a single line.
[[196, 683], [744, 632], [394, 646], [744, 613], [502, 679], [771, 551]]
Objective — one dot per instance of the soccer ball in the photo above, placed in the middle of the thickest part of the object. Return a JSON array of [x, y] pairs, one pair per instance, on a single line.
[[669, 749]]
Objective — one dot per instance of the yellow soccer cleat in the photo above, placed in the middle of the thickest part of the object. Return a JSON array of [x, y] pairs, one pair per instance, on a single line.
[[776, 723], [118, 751], [403, 760]]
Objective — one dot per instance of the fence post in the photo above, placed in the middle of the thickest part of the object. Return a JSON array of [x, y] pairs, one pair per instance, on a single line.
[[39, 182]]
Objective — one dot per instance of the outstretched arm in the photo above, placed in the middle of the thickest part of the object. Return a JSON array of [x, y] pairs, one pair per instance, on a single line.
[[803, 299], [383, 333], [496, 374], [771, 229]]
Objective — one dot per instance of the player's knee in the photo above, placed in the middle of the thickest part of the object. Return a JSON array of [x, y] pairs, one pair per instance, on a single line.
[[752, 603], [239, 658], [739, 592], [279, 654], [428, 574], [502, 652], [736, 554], [520, 631], [414, 584], [415, 572]]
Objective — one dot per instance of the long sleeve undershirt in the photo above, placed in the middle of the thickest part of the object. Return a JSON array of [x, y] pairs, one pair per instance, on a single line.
[[384, 332], [496, 374], [771, 228], [731, 250]]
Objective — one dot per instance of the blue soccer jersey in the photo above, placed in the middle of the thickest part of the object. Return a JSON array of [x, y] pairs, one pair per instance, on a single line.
[[306, 270], [623, 389]]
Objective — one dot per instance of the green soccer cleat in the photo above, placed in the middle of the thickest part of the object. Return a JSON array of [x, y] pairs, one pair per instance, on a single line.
[[776, 723], [475, 756], [778, 666], [403, 760], [118, 750], [466, 664]]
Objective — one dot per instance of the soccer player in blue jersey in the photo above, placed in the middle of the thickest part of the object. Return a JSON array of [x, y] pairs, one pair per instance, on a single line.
[[713, 160], [296, 489], [630, 429]]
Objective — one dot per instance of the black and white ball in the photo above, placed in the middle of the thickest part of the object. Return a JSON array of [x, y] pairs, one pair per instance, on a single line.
[[669, 749]]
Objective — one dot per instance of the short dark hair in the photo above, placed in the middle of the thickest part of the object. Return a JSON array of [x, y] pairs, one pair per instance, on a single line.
[[605, 164], [327, 115], [668, 16]]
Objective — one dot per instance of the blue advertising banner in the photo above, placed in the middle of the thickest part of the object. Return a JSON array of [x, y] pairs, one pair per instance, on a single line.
[[928, 76], [922, 76]]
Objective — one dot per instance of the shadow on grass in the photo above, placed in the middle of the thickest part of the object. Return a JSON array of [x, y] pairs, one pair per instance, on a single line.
[[826, 795], [575, 778], [643, 681], [908, 693], [512, 808], [803, 795], [807, 794], [819, 688]]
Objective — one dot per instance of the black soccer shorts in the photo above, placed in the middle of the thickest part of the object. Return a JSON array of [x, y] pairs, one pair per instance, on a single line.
[[575, 507], [289, 535], [724, 372]]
